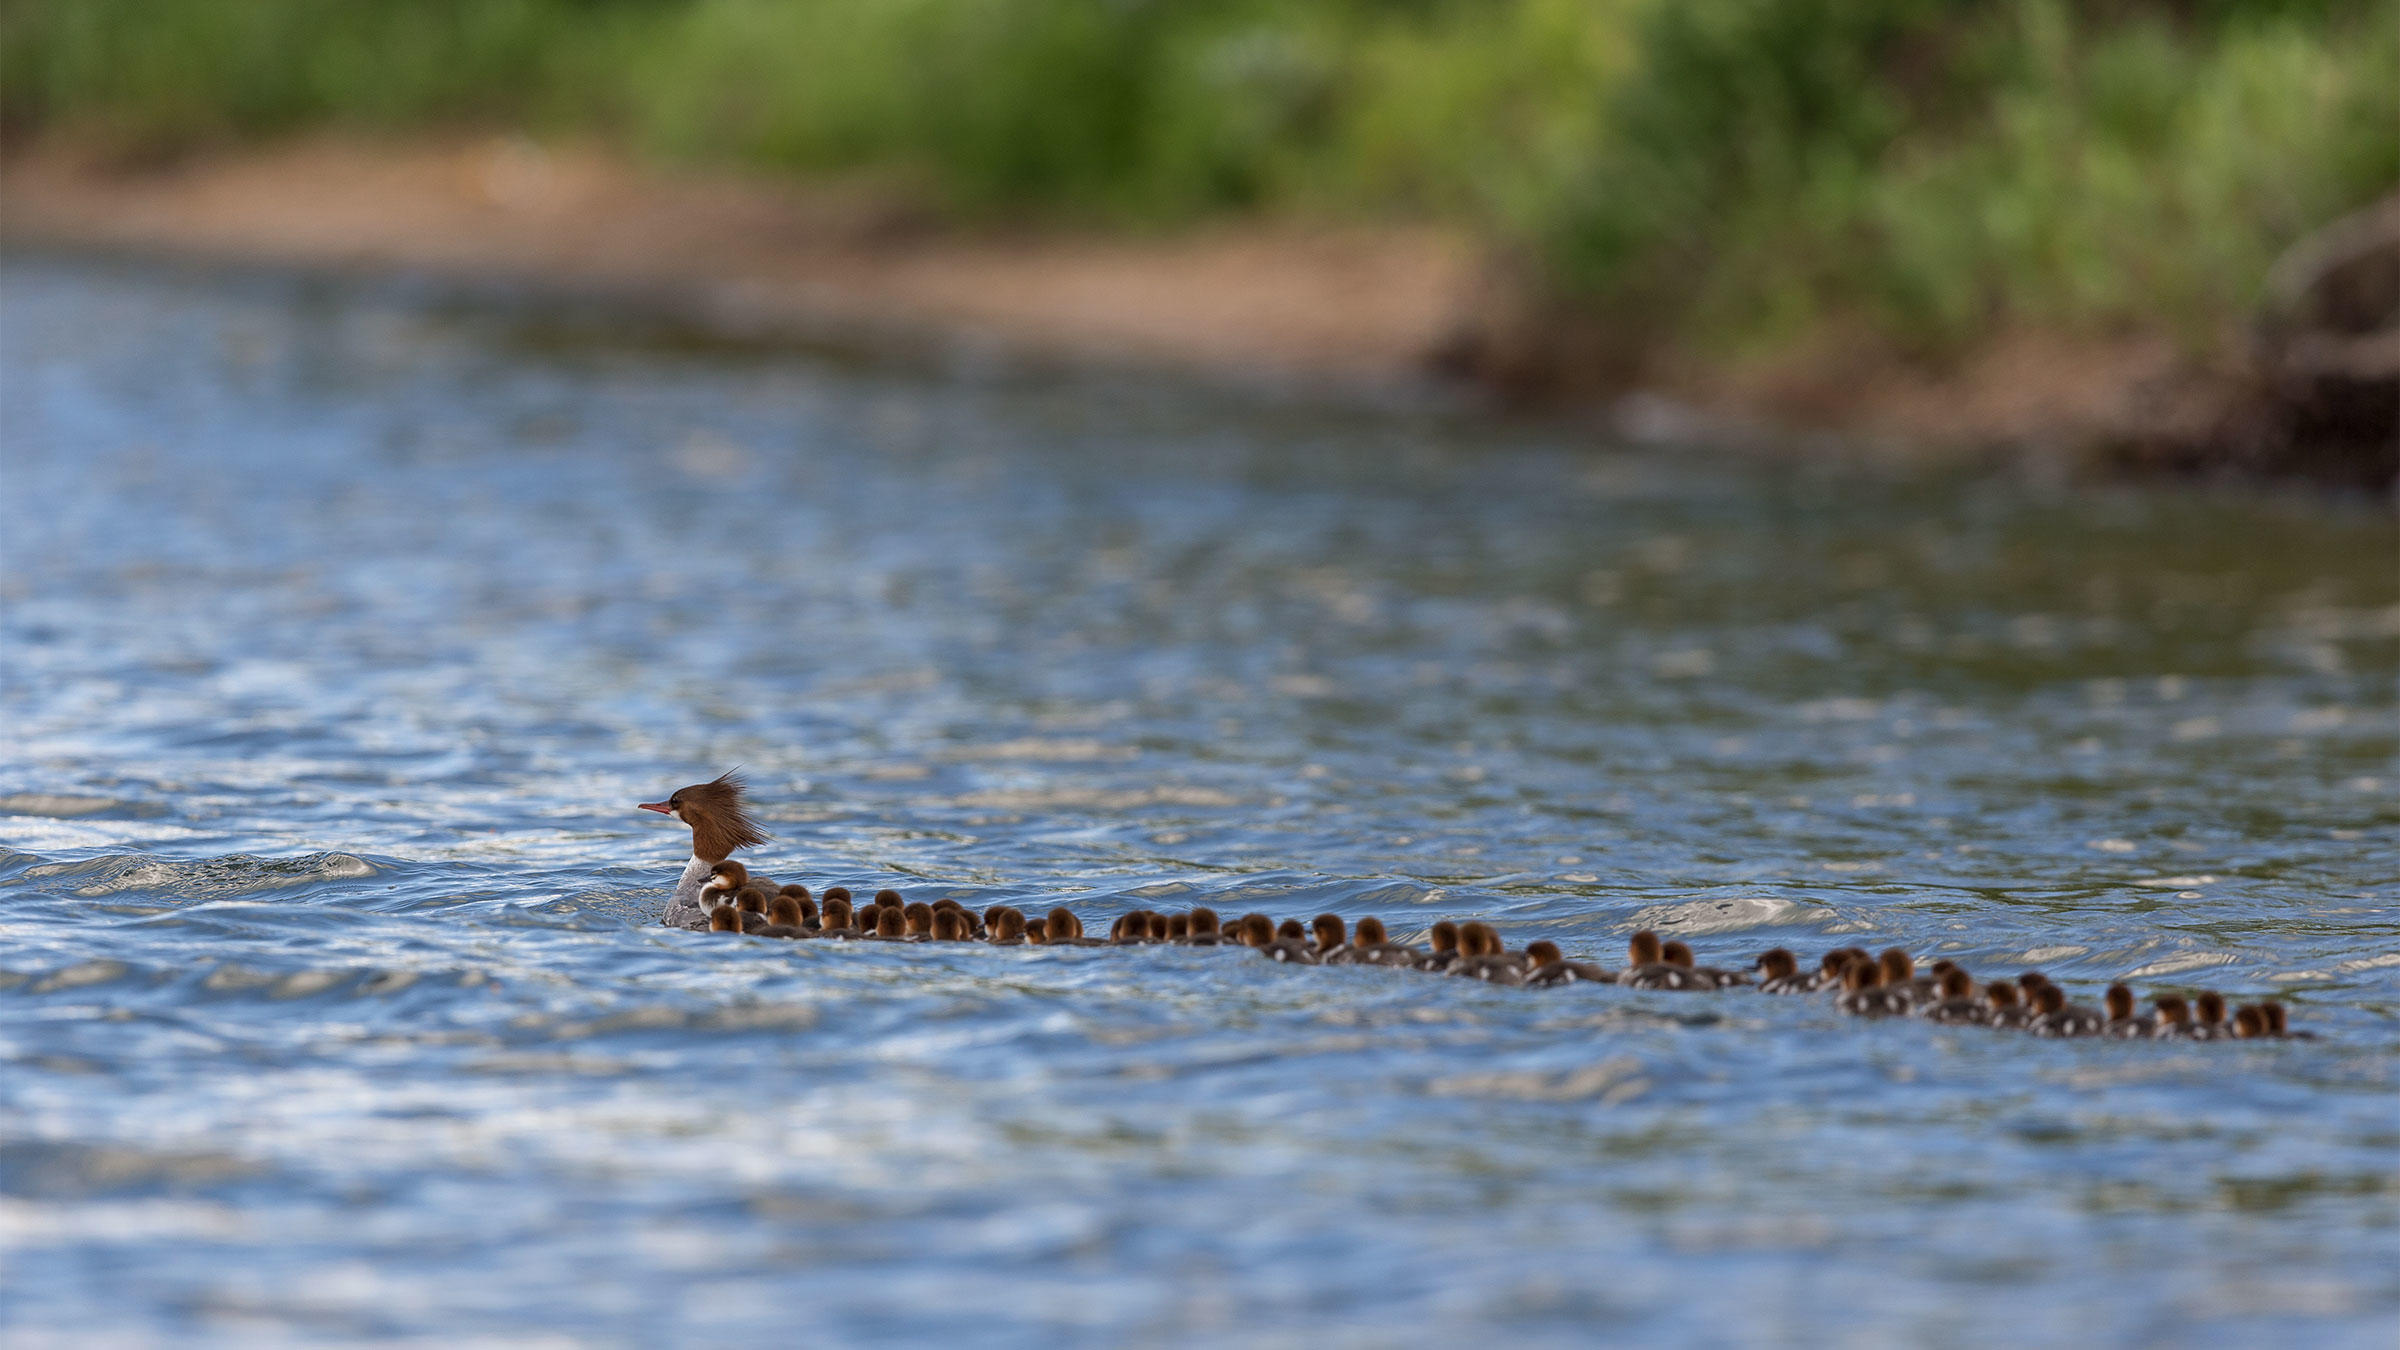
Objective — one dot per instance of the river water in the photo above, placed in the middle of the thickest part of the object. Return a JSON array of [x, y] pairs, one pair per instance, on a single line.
[[341, 636]]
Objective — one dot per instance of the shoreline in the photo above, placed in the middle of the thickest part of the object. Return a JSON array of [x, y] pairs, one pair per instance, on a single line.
[[1362, 315]]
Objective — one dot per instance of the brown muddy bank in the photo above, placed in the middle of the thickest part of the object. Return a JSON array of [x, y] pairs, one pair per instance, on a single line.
[[1359, 313]]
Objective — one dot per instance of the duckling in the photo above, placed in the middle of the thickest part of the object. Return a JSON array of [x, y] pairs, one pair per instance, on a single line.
[[751, 901], [991, 917], [1065, 930], [1865, 994], [1179, 928], [1444, 935], [2211, 1023], [965, 918], [1779, 973], [1957, 1003], [948, 927], [2054, 1016], [2279, 1023], [724, 919], [2005, 1012], [1289, 945], [1709, 977], [1484, 957], [1550, 967], [1333, 940], [1007, 925], [1647, 966], [891, 925], [1374, 947], [2122, 1024], [783, 920], [1899, 975], [834, 917], [1037, 932], [888, 896], [918, 916], [1204, 932], [2249, 1024], [2173, 1020]]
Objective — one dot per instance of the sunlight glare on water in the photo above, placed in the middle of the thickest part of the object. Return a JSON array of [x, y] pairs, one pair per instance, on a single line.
[[340, 639]]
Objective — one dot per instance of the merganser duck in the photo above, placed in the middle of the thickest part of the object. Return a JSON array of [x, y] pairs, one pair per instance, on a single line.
[[1711, 977], [1288, 942], [919, 918], [2211, 1024], [1444, 936], [2054, 1016], [1037, 932], [1333, 940], [890, 926], [720, 824], [2249, 1024], [1551, 968], [1957, 1002], [1865, 994], [2173, 1018], [2006, 1012], [1065, 930], [1374, 946], [783, 920], [1205, 932], [724, 919], [1900, 975], [834, 917], [2279, 1023], [1779, 973], [1179, 927], [1647, 966], [2122, 1024], [1008, 927], [1483, 956]]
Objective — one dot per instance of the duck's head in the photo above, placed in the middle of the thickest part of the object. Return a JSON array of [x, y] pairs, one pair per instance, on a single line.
[[2049, 998], [1775, 963], [1643, 949], [2119, 1002], [2001, 995], [888, 896], [917, 916], [1956, 983], [752, 898], [1444, 936], [2278, 1023], [890, 922], [2212, 1008], [2248, 1022], [841, 893], [946, 926], [1037, 932], [1009, 926], [1543, 952], [1860, 976], [724, 919], [714, 810], [1371, 933], [796, 891], [1834, 962], [1477, 938], [1179, 927], [727, 876], [1063, 924], [1330, 930], [1290, 931], [785, 911], [2172, 1010], [1675, 954], [1204, 921], [836, 916], [1897, 968], [1258, 930]]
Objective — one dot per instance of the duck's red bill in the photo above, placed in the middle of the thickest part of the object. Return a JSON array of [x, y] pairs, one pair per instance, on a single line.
[[661, 807]]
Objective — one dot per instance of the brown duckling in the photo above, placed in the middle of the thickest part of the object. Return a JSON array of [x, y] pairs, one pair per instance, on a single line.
[[1202, 922], [2249, 1024], [2122, 1023], [1065, 930], [888, 896], [1713, 977], [1956, 1002], [783, 920], [2279, 1023], [1549, 967], [948, 926], [1374, 947], [2173, 1018], [1865, 994], [1037, 932], [917, 916], [891, 925], [2210, 1024], [1444, 936], [2054, 1016], [1007, 926], [2006, 1011], [1289, 944], [1648, 965], [1333, 940], [1483, 956], [1779, 973], [724, 919]]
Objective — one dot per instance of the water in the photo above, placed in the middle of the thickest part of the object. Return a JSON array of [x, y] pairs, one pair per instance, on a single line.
[[341, 638]]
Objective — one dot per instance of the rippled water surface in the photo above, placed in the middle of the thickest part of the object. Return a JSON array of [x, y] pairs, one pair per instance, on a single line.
[[340, 639]]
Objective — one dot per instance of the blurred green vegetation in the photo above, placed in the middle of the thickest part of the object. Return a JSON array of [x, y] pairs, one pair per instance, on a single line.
[[1725, 173]]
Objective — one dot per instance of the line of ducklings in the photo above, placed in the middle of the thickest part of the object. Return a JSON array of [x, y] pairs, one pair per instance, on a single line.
[[1863, 984]]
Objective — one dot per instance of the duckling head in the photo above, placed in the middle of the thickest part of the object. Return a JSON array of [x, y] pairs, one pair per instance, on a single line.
[[2049, 998], [1676, 954], [724, 919], [785, 911], [1897, 968], [1860, 976], [1063, 924], [1444, 936], [918, 916], [836, 914], [1258, 930], [1204, 921], [946, 926], [1290, 931], [1179, 927], [2248, 1022], [1370, 932], [751, 898], [1543, 952], [1037, 932], [1775, 963], [1643, 949], [1331, 932], [2278, 1023], [2119, 1001], [1956, 983], [2001, 995], [732, 873], [2172, 1010], [890, 922], [888, 896], [2212, 1008]]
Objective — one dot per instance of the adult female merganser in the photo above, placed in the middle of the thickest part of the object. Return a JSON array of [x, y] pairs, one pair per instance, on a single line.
[[1444, 936], [1549, 967], [2122, 1024], [720, 824]]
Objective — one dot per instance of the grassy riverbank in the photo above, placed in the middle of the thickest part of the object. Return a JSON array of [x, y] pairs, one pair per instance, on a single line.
[[1726, 178]]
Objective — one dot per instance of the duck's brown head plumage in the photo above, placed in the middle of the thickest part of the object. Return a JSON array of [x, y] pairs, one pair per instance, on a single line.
[[720, 822]]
